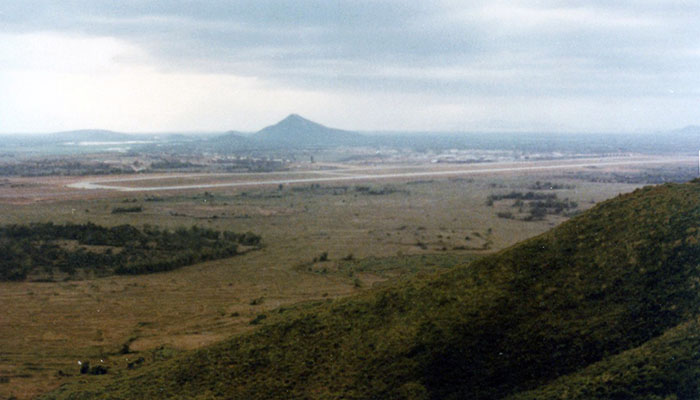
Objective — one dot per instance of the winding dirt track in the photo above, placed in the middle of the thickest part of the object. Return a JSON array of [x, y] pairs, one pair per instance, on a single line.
[[361, 174]]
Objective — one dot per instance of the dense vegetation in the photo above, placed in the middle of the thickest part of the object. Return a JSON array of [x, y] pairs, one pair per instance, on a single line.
[[647, 176], [536, 205], [520, 196], [53, 167], [77, 166], [550, 186], [605, 306], [44, 249], [372, 190], [122, 210]]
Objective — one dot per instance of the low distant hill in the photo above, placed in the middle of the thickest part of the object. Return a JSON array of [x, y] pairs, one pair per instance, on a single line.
[[296, 132], [92, 135], [77, 136], [228, 142], [605, 306], [74, 142], [691, 130], [687, 139]]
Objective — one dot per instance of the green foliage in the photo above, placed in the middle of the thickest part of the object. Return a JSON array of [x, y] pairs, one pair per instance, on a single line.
[[505, 215], [522, 196], [122, 210], [539, 204], [663, 368], [123, 249], [258, 319], [604, 306], [404, 264], [257, 301], [550, 186], [378, 191]]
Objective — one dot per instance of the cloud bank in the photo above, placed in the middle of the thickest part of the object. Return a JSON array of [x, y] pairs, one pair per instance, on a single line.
[[443, 65]]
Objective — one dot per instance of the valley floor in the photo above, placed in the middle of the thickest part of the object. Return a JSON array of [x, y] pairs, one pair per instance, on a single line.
[[374, 225]]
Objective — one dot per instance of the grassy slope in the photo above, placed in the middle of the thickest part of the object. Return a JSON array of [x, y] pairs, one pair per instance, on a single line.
[[667, 367], [593, 292]]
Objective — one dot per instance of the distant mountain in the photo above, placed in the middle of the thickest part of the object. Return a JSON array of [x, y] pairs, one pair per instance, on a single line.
[[73, 142], [231, 137], [605, 306], [297, 131], [179, 137], [93, 135], [292, 132], [688, 130], [230, 141]]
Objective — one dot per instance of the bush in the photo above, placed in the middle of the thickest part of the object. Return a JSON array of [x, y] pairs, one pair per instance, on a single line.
[[259, 318], [257, 301], [119, 210], [98, 370]]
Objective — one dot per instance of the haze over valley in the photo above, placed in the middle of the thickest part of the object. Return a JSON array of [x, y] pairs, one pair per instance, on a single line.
[[141, 249], [349, 200]]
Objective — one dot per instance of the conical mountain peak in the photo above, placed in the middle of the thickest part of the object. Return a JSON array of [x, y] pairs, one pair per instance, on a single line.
[[298, 131]]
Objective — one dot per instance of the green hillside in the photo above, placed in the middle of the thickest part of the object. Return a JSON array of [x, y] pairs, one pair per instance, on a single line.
[[604, 306], [667, 367]]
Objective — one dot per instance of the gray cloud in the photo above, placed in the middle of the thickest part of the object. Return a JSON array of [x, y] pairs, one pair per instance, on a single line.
[[554, 48]]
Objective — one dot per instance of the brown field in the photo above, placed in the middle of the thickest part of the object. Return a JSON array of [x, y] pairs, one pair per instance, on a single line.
[[47, 327]]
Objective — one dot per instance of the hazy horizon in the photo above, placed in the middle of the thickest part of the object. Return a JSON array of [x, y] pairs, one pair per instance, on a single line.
[[203, 132], [446, 66], [363, 132]]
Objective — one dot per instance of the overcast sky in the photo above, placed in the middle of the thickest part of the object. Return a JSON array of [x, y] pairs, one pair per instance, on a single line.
[[176, 65]]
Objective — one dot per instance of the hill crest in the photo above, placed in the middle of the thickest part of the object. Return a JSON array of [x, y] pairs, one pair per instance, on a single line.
[[298, 131]]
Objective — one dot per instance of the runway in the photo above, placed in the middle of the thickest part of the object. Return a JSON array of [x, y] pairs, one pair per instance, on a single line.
[[361, 174]]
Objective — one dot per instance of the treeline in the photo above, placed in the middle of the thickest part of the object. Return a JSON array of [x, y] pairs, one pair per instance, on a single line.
[[62, 168], [174, 164], [536, 206], [519, 196], [378, 191], [550, 186], [122, 210], [45, 248], [341, 190], [652, 177]]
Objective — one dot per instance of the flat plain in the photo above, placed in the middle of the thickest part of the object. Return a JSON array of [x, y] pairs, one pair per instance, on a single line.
[[322, 240]]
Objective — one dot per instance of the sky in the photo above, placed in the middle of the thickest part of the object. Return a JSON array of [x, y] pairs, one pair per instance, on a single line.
[[388, 65]]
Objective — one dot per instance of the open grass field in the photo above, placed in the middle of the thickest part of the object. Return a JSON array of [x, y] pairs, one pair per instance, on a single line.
[[603, 306], [321, 240]]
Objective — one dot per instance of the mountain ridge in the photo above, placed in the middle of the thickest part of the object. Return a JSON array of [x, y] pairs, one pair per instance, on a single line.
[[295, 132]]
